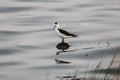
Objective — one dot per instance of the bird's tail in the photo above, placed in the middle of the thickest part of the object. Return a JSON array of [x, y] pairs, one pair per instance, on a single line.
[[73, 35]]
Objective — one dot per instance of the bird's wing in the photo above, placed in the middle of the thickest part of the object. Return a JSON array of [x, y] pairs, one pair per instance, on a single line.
[[66, 33]]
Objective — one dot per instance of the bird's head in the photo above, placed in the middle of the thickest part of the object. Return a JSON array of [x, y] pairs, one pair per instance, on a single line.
[[56, 25]]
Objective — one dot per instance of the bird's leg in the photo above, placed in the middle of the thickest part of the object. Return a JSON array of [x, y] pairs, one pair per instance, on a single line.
[[62, 40]]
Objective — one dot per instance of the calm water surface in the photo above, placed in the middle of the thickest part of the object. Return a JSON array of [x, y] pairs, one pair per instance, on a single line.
[[28, 42]]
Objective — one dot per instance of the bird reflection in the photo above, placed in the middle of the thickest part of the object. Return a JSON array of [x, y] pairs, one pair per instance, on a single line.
[[61, 61], [63, 47]]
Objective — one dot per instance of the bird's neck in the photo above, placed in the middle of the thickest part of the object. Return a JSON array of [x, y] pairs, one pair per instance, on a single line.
[[56, 28]]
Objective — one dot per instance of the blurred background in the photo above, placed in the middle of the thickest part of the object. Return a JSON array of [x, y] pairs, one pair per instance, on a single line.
[[28, 44]]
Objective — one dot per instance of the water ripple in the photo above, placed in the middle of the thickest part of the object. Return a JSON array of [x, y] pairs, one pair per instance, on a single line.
[[21, 32], [87, 5], [8, 32], [110, 9], [33, 20], [7, 64], [90, 53], [28, 47], [39, 0], [9, 51], [62, 9], [14, 9], [54, 67]]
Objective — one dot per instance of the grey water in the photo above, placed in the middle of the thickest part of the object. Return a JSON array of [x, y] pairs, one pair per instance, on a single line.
[[28, 44]]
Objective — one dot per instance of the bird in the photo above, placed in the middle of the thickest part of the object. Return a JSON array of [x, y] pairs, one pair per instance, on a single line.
[[63, 34]]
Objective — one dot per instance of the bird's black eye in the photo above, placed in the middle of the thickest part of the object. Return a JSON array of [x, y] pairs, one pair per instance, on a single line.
[[56, 23]]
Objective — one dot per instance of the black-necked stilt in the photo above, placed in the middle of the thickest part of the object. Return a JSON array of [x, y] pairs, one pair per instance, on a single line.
[[62, 33]]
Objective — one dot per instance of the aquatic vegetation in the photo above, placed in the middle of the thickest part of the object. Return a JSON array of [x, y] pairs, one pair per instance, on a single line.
[[112, 72]]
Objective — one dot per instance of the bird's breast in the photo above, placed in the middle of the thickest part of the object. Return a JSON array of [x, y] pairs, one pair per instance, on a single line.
[[58, 33]]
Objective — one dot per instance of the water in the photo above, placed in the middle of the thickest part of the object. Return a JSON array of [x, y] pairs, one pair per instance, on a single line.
[[28, 43]]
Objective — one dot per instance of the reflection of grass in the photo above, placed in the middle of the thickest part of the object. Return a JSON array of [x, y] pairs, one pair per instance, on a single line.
[[112, 72]]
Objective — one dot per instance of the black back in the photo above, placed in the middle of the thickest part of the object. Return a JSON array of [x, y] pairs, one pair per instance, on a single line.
[[66, 33]]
